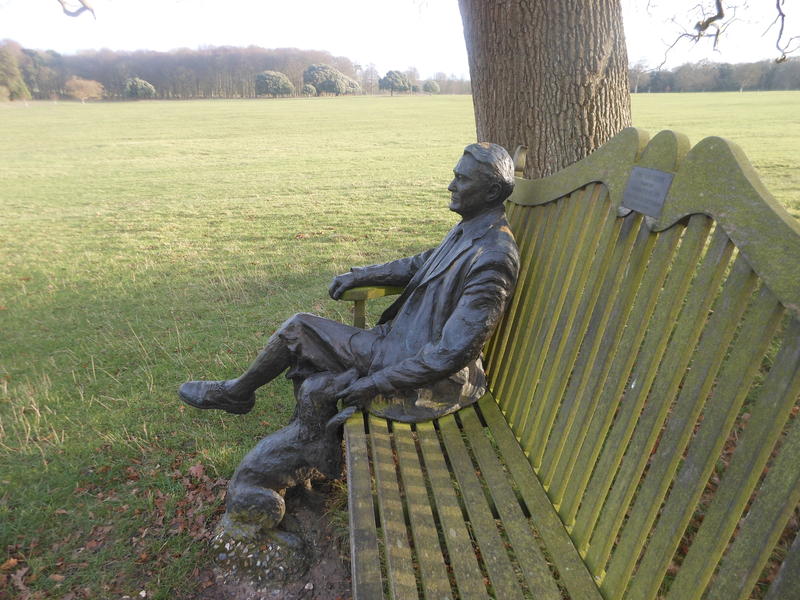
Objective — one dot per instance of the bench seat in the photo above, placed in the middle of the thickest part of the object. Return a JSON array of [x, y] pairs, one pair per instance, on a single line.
[[465, 476]]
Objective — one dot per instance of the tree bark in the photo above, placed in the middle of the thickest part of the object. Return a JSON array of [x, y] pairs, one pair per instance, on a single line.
[[549, 74]]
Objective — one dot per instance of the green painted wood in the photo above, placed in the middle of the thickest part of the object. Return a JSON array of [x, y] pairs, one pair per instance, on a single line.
[[705, 365], [545, 218], [518, 220], [371, 292], [787, 581], [765, 521], [518, 382], [646, 367], [540, 580], [360, 314], [428, 553], [366, 567], [768, 418], [631, 230], [618, 356], [563, 349], [664, 389], [560, 355], [466, 570], [545, 315], [526, 224], [571, 241], [600, 262], [572, 571], [571, 460], [764, 232], [614, 385], [359, 297], [399, 562], [610, 164], [719, 416], [484, 529]]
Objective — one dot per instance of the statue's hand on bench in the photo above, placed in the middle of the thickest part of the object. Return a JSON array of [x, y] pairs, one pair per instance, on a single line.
[[341, 283]]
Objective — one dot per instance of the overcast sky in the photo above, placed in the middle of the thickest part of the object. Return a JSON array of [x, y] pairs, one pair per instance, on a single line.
[[392, 34]]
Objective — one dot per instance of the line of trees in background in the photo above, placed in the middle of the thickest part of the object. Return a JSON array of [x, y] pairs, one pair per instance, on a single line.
[[219, 72], [705, 76], [228, 72]]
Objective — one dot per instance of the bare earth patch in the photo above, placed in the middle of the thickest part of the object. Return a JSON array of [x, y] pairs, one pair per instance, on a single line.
[[329, 575]]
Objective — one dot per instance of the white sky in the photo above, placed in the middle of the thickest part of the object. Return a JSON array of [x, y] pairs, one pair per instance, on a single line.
[[393, 34]]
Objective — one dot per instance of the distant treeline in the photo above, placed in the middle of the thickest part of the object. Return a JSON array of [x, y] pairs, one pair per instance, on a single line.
[[218, 72], [705, 76]]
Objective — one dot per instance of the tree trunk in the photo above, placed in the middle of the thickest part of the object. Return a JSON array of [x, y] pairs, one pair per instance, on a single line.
[[551, 75]]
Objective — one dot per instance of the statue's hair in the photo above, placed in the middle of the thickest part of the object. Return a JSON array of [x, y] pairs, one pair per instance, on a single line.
[[497, 164]]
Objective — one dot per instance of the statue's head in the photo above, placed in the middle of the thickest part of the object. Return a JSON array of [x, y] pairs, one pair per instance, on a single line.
[[484, 178]]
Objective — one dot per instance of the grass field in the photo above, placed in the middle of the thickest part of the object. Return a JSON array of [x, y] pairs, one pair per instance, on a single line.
[[144, 244]]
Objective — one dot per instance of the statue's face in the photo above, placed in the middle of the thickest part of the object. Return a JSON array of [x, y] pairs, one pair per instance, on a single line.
[[471, 192]]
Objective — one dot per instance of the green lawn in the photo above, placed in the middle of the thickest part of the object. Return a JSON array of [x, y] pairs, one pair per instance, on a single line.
[[144, 244]]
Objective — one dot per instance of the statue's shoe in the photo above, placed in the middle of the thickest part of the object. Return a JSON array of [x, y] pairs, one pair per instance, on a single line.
[[215, 394]]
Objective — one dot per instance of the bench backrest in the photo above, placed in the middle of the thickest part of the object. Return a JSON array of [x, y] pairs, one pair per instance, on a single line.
[[650, 367]]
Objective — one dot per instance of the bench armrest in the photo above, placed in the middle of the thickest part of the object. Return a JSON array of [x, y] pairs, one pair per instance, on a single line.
[[360, 295]]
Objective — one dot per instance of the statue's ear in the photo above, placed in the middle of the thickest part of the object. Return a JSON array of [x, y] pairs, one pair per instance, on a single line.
[[494, 192]]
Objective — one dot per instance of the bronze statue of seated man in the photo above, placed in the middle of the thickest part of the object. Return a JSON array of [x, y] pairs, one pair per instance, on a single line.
[[421, 361]]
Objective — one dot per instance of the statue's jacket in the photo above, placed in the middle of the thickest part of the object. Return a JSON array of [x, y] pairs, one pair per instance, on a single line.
[[426, 360]]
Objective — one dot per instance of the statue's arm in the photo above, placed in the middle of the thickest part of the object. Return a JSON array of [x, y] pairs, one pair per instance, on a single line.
[[487, 289], [395, 273]]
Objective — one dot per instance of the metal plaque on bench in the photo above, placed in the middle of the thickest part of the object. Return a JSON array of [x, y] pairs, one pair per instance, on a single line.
[[646, 191]]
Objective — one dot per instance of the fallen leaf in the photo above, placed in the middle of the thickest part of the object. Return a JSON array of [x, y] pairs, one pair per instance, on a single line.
[[18, 579], [197, 471], [56, 577], [9, 564]]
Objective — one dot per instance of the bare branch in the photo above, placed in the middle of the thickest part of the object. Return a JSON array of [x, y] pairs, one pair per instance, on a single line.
[[784, 47], [76, 12], [715, 26], [702, 26]]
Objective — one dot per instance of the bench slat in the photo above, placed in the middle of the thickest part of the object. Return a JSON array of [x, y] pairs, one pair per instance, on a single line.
[[564, 310], [645, 369], [466, 570], [760, 530], [788, 580], [582, 213], [665, 387], [563, 349], [525, 291], [617, 348], [552, 292], [719, 415], [565, 557], [366, 569], [584, 296], [402, 582], [514, 384], [768, 418], [427, 551], [519, 218], [541, 582], [706, 362], [484, 528], [632, 242]]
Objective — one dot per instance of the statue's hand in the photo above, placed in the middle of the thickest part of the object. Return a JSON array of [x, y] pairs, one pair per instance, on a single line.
[[341, 283], [358, 393]]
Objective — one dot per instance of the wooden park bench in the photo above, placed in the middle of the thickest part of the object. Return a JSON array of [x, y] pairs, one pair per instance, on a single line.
[[640, 438]]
